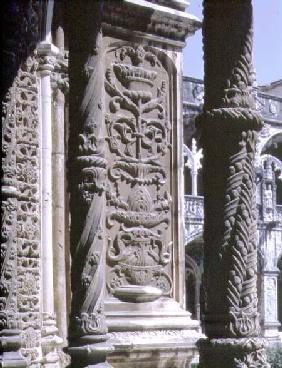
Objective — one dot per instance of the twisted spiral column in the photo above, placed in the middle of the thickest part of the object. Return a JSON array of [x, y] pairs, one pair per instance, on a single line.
[[229, 126], [88, 331]]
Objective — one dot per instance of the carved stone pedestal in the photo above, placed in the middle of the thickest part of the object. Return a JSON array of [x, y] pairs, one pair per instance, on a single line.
[[153, 334], [90, 352], [169, 348]]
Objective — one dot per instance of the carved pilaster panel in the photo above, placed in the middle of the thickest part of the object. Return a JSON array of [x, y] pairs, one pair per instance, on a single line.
[[139, 141]]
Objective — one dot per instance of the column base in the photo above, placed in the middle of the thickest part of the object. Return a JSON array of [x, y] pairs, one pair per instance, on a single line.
[[232, 353], [162, 314], [12, 359], [10, 356], [153, 348], [90, 352]]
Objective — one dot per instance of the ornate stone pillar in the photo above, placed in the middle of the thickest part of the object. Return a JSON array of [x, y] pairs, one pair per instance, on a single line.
[[60, 87], [126, 166], [50, 340], [88, 330], [229, 126]]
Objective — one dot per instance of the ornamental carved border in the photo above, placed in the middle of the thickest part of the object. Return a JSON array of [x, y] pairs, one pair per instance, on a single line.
[[20, 249], [139, 135]]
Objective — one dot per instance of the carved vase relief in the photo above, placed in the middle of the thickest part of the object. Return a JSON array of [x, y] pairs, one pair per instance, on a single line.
[[138, 132]]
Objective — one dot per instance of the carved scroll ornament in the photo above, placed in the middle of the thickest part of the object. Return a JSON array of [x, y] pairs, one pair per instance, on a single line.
[[138, 136]]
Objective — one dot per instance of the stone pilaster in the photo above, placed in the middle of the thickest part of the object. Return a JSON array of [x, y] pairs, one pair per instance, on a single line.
[[125, 124], [229, 126], [50, 340], [60, 86]]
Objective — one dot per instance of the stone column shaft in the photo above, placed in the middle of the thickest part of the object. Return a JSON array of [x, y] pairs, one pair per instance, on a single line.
[[46, 187], [59, 213], [88, 330], [194, 174], [229, 126], [50, 340]]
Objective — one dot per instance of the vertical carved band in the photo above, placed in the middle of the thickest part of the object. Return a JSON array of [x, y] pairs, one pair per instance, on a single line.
[[88, 196], [229, 128], [229, 122]]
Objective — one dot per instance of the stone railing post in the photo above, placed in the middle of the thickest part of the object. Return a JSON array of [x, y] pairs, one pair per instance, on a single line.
[[229, 126]]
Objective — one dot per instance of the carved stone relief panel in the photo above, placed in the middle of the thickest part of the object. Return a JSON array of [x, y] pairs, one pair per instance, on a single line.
[[20, 279], [139, 139], [8, 215], [28, 221]]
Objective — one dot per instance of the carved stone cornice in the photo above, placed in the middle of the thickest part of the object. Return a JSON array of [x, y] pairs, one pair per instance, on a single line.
[[149, 20], [174, 4]]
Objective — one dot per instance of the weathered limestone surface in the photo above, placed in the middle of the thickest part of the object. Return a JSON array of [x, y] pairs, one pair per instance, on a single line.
[[125, 125], [268, 170], [20, 243], [28, 326], [229, 126]]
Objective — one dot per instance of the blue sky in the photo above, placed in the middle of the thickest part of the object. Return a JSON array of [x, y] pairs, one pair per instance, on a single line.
[[267, 42]]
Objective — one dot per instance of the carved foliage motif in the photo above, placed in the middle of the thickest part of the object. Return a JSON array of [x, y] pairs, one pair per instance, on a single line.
[[28, 222], [89, 196], [8, 212], [138, 133], [20, 221], [240, 210]]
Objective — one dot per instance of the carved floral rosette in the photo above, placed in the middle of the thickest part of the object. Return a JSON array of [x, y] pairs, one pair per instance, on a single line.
[[138, 134]]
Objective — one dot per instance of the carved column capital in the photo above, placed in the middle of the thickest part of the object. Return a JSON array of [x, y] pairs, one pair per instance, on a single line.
[[60, 75], [46, 53]]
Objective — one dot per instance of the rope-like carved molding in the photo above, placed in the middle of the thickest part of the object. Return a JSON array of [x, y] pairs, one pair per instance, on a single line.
[[223, 118]]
